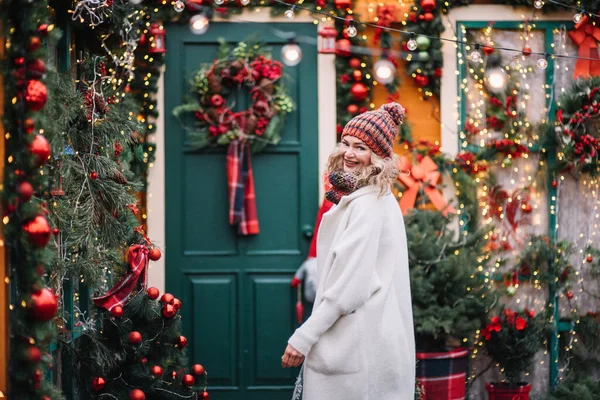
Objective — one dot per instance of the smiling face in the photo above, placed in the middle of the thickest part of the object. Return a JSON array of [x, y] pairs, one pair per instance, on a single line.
[[356, 154]]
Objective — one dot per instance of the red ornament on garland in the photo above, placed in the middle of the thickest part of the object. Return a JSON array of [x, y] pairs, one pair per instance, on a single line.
[[488, 49], [205, 395], [43, 305], [37, 379], [167, 298], [342, 4], [359, 91], [135, 337], [157, 371], [154, 254], [438, 73], [168, 311], [40, 148], [38, 231], [177, 304], [55, 231], [570, 295], [34, 355], [43, 29], [25, 191], [93, 175], [428, 5], [188, 380], [144, 360], [182, 342], [422, 80], [116, 312], [343, 48], [352, 109], [354, 63], [137, 394], [153, 293], [198, 369], [357, 75], [29, 125], [589, 258], [428, 17], [98, 383], [36, 95], [527, 51], [34, 43], [36, 68]]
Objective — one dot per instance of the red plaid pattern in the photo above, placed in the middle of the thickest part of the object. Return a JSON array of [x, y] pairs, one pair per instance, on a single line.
[[137, 257], [242, 197]]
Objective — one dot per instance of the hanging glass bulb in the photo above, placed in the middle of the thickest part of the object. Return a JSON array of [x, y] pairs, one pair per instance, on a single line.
[[136, 1], [385, 71], [290, 14], [475, 55], [219, 2], [244, 2], [199, 24], [578, 17], [412, 43], [538, 4], [351, 31], [542, 63], [291, 54], [179, 6]]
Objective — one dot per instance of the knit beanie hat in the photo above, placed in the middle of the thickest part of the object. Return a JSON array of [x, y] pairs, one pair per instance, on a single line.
[[377, 128]]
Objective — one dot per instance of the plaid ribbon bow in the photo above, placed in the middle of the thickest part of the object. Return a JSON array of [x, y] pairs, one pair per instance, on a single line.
[[242, 198], [137, 258]]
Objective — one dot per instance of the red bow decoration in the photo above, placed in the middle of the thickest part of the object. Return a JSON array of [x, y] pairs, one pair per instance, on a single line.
[[586, 35], [385, 17], [137, 258], [423, 175], [511, 210]]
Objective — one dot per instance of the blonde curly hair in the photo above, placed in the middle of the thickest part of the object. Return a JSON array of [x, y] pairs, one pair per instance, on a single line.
[[381, 172]]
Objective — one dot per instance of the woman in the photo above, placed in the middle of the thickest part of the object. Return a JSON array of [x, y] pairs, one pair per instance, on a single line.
[[359, 341]]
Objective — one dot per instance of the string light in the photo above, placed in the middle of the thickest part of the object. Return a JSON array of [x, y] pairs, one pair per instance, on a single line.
[[219, 2], [542, 63], [179, 6], [538, 4], [351, 31], [475, 55], [412, 43], [289, 14], [244, 2], [199, 24], [578, 17], [385, 71], [291, 54]]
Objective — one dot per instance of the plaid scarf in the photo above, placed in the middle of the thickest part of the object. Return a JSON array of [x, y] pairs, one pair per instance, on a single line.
[[137, 258], [242, 198], [342, 184]]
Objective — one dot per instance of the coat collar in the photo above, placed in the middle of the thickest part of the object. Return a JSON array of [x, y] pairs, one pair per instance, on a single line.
[[358, 193]]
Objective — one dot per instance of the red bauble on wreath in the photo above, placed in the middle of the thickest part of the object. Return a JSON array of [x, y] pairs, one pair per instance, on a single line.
[[25, 191], [422, 80], [33, 355], [154, 254], [168, 311], [205, 395], [359, 91], [43, 305], [137, 394], [198, 369], [34, 44], [357, 75], [352, 109], [428, 5], [153, 293], [38, 231], [157, 371], [98, 383], [354, 63], [167, 298], [177, 304], [116, 312], [343, 48], [188, 380], [135, 338], [182, 342], [36, 95], [40, 148]]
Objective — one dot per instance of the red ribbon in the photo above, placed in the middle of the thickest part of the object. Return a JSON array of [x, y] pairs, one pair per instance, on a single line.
[[137, 258], [586, 35]]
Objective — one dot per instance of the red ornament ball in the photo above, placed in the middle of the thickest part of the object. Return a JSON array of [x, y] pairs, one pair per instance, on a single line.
[[570, 295], [343, 48], [37, 379], [488, 49], [422, 80], [43, 305], [156, 371], [438, 73], [205, 395], [188, 380], [198, 369], [137, 394], [98, 383], [25, 191], [182, 342], [144, 360], [176, 304], [527, 51], [33, 355], [38, 231], [29, 125], [43, 29], [93, 175], [167, 298], [153, 293], [359, 91], [55, 231], [36, 68], [154, 254], [428, 5], [135, 337], [589, 258], [40, 148], [116, 312], [357, 75], [354, 63], [34, 43], [554, 184], [36, 95], [173, 375], [352, 109], [168, 311], [428, 17]]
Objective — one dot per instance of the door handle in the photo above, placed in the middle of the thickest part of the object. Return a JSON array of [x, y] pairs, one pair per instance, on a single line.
[[307, 231]]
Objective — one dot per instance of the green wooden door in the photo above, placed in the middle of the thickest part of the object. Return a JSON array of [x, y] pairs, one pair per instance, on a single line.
[[238, 305]]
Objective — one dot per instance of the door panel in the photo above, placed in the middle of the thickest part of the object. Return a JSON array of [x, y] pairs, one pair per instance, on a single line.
[[238, 305]]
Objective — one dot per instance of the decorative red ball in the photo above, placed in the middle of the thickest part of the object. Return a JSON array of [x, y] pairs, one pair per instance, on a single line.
[[428, 17], [188, 380], [182, 342], [144, 360], [422, 80], [36, 95], [554, 184], [198, 369], [205, 395], [34, 43], [137, 394], [167, 298], [36, 68], [176, 304], [40, 148], [354, 63], [154, 254], [38, 231], [116, 312], [570, 295], [357, 75], [98, 383], [168, 311], [156, 371], [488, 49], [43, 305], [527, 51], [589, 258], [55, 231], [359, 91], [25, 191], [428, 5], [153, 293], [135, 337], [29, 125], [173, 375], [93, 175], [37, 379], [343, 48], [352, 109], [34, 355], [43, 29], [527, 208], [438, 73]]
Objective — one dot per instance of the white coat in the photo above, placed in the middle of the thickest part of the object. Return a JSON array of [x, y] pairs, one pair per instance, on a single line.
[[359, 341]]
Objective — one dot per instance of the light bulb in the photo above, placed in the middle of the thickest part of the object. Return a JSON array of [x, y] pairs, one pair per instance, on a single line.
[[578, 17], [179, 6], [542, 63], [136, 1], [290, 14], [219, 2], [291, 54], [385, 71], [351, 31], [475, 55], [538, 4], [496, 79], [244, 2], [412, 43], [199, 24]]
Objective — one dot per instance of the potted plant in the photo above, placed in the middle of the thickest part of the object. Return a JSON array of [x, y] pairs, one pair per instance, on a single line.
[[511, 339], [450, 302]]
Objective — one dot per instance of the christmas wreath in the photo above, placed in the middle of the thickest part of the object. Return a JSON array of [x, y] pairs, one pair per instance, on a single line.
[[246, 67], [577, 124]]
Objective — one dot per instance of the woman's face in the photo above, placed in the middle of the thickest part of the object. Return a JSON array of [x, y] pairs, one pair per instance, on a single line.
[[356, 154]]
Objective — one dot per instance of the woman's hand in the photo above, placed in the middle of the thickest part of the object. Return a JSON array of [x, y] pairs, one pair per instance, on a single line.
[[291, 357]]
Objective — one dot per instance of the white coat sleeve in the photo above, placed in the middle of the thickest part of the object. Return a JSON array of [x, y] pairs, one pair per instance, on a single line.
[[352, 280]]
